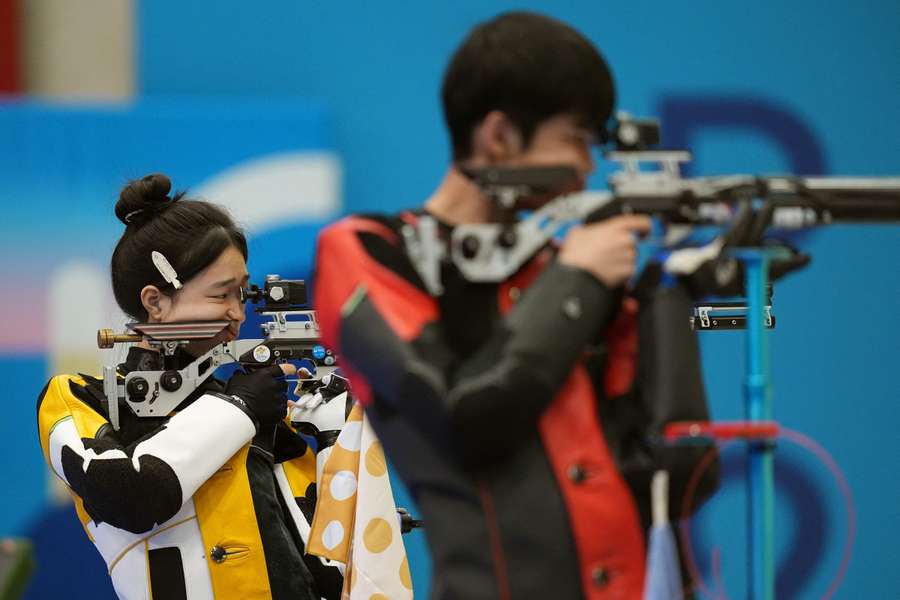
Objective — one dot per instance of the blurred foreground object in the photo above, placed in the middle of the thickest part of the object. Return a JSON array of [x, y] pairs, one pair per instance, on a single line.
[[16, 567]]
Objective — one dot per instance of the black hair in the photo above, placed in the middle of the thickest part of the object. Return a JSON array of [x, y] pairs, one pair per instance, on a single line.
[[531, 67], [191, 234]]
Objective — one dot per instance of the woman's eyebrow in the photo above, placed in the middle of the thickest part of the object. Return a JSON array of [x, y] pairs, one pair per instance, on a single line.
[[230, 281], [225, 282]]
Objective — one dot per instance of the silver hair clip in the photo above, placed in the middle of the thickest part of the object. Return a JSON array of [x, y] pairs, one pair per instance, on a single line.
[[132, 214], [165, 269]]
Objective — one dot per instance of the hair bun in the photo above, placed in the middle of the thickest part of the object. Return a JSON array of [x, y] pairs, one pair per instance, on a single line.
[[139, 195]]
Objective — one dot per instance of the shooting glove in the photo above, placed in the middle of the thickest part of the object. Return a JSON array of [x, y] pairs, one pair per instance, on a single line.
[[263, 392], [321, 412]]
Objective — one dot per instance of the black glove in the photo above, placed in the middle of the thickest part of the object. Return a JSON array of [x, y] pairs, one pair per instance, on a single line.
[[263, 393]]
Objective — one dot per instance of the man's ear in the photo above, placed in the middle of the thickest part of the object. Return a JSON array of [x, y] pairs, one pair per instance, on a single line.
[[496, 139], [155, 303]]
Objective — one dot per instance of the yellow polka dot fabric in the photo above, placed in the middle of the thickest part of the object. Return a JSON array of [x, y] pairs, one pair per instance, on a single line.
[[356, 519]]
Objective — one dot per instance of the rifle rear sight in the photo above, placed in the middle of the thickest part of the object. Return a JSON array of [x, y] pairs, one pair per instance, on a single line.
[[277, 295]]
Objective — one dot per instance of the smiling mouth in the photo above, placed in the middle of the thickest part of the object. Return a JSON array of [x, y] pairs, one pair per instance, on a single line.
[[228, 334]]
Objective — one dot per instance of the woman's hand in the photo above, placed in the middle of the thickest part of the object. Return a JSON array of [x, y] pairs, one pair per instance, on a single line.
[[263, 392]]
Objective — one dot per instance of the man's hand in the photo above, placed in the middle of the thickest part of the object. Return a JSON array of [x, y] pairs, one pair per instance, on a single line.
[[608, 249]]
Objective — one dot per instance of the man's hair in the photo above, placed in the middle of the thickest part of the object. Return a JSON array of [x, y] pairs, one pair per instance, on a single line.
[[532, 68]]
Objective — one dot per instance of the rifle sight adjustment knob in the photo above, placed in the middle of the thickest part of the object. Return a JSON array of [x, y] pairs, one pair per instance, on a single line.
[[170, 381], [137, 389], [470, 246]]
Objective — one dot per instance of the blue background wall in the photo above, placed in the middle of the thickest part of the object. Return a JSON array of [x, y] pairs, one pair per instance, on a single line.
[[752, 87]]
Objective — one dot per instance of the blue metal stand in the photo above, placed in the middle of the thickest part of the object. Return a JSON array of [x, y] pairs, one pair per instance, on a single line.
[[758, 407]]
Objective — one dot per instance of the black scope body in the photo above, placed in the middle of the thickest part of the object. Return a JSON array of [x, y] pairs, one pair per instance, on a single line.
[[278, 294], [636, 134]]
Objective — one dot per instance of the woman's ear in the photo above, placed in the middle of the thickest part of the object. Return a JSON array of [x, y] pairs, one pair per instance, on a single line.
[[155, 303], [496, 139]]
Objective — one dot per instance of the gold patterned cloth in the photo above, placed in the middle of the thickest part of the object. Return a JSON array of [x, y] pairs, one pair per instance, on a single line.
[[356, 519]]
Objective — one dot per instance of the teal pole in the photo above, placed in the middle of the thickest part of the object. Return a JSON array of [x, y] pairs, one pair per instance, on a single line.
[[758, 407]]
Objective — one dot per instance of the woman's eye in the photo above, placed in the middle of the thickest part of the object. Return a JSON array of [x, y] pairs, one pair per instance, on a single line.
[[220, 296]]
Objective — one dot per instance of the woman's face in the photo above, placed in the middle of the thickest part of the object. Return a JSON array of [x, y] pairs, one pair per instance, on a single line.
[[214, 294]]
